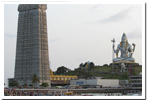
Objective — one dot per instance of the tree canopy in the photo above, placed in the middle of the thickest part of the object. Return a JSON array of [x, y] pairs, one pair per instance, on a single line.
[[62, 70], [35, 79], [44, 84], [13, 83], [81, 65], [105, 65], [90, 65]]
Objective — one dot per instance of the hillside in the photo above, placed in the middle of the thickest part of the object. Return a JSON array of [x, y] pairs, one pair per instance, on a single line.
[[103, 71]]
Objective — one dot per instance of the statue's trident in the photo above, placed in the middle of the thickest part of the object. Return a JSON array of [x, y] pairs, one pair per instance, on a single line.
[[112, 48], [113, 41]]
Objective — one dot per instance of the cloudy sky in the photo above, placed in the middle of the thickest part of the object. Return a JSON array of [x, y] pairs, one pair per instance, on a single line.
[[78, 33]]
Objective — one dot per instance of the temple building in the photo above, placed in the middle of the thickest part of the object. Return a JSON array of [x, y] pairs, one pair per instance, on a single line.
[[57, 80], [32, 45]]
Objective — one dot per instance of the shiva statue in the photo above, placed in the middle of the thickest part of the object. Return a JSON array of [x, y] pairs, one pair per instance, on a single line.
[[125, 49]]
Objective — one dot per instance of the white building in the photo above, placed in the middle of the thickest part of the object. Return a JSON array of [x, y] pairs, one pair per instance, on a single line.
[[103, 82]]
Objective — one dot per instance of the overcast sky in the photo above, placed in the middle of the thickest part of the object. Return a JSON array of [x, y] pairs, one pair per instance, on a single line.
[[78, 33]]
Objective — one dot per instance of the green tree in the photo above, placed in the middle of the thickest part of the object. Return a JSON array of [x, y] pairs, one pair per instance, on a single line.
[[35, 80], [62, 70], [13, 84], [89, 75], [81, 65], [84, 64], [134, 72], [44, 84], [125, 75], [105, 65], [77, 69], [91, 65]]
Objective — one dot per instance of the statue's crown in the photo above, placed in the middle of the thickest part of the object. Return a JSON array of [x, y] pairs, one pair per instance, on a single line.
[[124, 36]]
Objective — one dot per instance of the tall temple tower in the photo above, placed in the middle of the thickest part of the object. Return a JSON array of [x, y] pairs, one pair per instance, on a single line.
[[32, 45]]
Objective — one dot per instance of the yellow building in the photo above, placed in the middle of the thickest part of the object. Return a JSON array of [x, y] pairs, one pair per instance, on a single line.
[[61, 77]]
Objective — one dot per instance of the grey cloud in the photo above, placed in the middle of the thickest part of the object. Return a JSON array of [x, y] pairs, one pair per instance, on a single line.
[[95, 6], [117, 17], [135, 34], [54, 40]]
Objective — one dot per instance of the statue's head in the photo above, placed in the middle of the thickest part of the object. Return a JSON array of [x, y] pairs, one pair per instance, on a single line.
[[124, 38]]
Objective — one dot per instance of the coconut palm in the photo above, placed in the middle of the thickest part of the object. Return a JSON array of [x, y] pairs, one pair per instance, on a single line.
[[35, 80]]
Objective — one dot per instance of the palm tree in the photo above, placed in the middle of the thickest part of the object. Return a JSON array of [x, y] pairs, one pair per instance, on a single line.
[[35, 79]]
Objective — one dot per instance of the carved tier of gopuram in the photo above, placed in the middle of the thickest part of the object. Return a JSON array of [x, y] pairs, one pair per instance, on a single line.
[[32, 45], [126, 53]]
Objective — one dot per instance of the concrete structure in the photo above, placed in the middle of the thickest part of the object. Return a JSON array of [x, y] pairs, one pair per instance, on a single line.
[[124, 83], [32, 44], [103, 82], [136, 81]]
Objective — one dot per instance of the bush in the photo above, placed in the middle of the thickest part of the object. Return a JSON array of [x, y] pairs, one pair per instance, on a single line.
[[105, 65], [31, 85], [44, 84], [13, 83]]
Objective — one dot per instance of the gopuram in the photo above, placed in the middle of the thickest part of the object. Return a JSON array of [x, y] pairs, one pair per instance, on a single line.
[[126, 52], [32, 45]]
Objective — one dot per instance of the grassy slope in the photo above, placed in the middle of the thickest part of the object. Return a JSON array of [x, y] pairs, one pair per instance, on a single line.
[[107, 72], [137, 70]]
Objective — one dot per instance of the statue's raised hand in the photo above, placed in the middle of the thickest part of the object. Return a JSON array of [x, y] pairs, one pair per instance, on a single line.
[[113, 45], [133, 44]]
